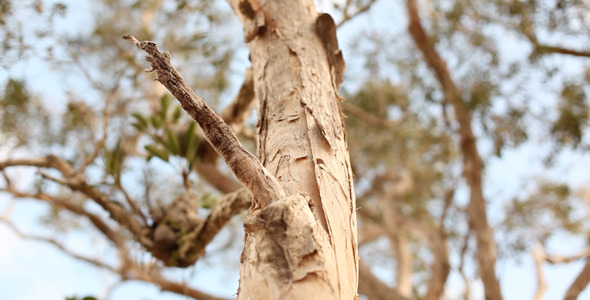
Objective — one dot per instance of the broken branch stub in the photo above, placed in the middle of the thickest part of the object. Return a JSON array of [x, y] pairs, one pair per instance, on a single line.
[[245, 166]]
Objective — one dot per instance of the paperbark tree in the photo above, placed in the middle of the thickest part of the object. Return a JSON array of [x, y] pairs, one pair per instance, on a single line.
[[300, 235], [437, 99]]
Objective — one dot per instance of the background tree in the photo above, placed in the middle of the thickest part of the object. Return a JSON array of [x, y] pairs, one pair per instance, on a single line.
[[462, 118]]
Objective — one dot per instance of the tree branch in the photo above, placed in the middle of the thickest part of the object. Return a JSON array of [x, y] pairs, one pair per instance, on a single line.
[[538, 256], [540, 48], [234, 115], [472, 164], [227, 207], [60, 246], [129, 269], [76, 181], [558, 259], [579, 284], [369, 118], [347, 17], [242, 163], [374, 288]]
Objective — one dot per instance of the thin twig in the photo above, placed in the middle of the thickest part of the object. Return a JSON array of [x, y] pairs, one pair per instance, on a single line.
[[347, 17], [371, 119]]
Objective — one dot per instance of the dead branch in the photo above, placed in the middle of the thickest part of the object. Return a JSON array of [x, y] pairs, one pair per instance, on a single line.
[[242, 163], [234, 115]]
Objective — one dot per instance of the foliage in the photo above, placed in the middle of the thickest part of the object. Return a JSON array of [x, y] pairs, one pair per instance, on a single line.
[[523, 91]]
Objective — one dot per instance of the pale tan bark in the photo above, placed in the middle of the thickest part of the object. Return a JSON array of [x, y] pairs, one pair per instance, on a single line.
[[404, 259], [297, 67], [472, 164], [579, 283], [538, 257]]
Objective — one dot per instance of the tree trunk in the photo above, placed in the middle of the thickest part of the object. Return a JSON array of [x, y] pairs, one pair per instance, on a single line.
[[303, 246]]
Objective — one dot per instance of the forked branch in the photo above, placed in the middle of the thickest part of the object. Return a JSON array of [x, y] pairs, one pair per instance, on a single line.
[[247, 169]]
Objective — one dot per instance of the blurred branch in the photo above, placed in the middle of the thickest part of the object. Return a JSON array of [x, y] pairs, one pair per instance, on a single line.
[[77, 182], [131, 202], [393, 223], [369, 233], [191, 248], [579, 284], [371, 119], [558, 259], [538, 256], [227, 207], [60, 246], [404, 260], [348, 16], [219, 180], [540, 48], [472, 164], [374, 288], [129, 269], [97, 221], [461, 267], [156, 277]]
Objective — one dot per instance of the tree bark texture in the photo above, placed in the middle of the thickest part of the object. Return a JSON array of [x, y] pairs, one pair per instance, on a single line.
[[301, 140]]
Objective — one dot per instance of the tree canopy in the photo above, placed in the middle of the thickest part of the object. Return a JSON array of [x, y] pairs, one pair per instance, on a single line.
[[467, 124]]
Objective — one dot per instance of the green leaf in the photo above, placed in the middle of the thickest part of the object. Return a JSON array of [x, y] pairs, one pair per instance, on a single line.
[[157, 121], [173, 144], [191, 141], [141, 124], [176, 115], [114, 160], [165, 102], [155, 151]]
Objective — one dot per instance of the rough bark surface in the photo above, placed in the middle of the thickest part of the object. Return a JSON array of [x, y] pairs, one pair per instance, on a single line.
[[301, 141]]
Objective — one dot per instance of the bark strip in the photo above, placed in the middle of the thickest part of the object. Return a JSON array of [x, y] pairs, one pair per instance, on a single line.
[[247, 169]]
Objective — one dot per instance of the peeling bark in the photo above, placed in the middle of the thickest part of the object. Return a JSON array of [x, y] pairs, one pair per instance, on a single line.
[[301, 138], [303, 245]]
